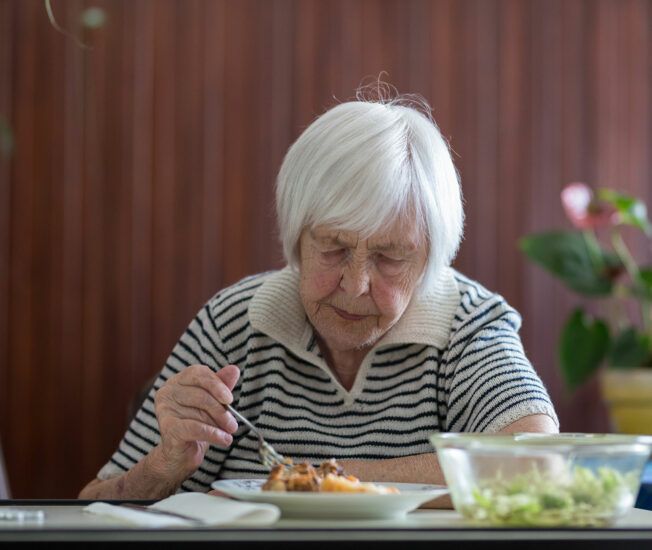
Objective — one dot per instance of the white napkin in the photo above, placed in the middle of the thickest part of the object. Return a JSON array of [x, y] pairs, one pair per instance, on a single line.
[[205, 509]]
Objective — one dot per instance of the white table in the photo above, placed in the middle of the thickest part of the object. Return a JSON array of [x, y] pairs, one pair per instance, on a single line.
[[68, 525]]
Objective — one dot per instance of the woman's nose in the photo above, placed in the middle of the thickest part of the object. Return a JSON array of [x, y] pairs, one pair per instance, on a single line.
[[355, 279]]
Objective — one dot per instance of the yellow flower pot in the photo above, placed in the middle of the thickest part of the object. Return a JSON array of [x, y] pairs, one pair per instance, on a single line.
[[628, 396]]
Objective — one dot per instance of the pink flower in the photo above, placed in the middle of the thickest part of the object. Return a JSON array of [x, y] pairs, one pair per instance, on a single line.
[[584, 210]]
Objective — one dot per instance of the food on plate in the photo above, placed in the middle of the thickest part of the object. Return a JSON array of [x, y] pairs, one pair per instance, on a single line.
[[328, 477], [583, 498]]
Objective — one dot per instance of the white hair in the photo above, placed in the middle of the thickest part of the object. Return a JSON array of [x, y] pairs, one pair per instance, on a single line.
[[362, 166]]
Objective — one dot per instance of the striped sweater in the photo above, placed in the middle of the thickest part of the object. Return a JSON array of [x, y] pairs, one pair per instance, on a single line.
[[453, 362]]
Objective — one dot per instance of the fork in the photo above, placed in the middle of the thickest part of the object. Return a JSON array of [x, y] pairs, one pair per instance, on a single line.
[[268, 455]]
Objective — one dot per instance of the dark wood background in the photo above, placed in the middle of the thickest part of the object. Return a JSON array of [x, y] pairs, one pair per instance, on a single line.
[[141, 180]]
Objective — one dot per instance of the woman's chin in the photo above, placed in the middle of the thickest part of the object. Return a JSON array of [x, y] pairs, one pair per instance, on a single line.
[[348, 340]]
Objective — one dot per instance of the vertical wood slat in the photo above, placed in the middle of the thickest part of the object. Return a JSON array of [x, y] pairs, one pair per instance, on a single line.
[[277, 40], [283, 97], [347, 61], [143, 175], [115, 233], [305, 65], [7, 19], [142, 191], [512, 155], [114, 186], [486, 144], [213, 208], [188, 148], [50, 208], [636, 71], [95, 266], [241, 125], [607, 57], [43, 220], [420, 45], [267, 75], [572, 167], [70, 314], [164, 166], [373, 60], [444, 67], [464, 115], [21, 333], [543, 204]]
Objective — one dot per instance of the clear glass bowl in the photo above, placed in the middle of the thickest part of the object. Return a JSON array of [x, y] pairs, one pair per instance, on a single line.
[[542, 480]]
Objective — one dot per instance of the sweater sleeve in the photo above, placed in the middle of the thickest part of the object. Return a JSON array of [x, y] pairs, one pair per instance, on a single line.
[[199, 344], [490, 381]]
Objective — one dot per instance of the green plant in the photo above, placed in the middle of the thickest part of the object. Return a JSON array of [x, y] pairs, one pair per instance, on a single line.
[[591, 269]]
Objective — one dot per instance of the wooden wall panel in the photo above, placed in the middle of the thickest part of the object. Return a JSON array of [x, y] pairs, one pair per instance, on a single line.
[[69, 314], [6, 88], [142, 187], [142, 177], [22, 287]]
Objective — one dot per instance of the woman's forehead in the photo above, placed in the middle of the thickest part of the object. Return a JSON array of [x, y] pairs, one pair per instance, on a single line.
[[401, 235]]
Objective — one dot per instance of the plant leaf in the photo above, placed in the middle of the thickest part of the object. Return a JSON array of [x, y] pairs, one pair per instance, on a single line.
[[629, 349], [642, 287], [584, 266], [582, 347], [631, 211]]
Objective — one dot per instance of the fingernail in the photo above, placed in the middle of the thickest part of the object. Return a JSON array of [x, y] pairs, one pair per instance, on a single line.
[[232, 425], [225, 397], [228, 440]]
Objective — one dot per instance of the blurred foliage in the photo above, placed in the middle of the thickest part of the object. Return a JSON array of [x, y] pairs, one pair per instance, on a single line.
[[93, 18], [591, 269]]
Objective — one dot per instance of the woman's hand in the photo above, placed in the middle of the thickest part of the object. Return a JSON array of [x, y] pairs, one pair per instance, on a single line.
[[191, 416]]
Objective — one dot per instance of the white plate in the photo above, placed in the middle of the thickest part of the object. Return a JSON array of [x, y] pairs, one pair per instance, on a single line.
[[335, 505]]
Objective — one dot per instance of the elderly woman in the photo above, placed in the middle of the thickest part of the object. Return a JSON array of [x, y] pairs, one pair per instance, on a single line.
[[365, 344]]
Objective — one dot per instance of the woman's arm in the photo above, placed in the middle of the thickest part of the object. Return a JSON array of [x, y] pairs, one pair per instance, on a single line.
[[149, 479], [425, 468], [190, 417]]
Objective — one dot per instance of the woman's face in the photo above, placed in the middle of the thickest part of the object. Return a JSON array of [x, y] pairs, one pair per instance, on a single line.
[[355, 290]]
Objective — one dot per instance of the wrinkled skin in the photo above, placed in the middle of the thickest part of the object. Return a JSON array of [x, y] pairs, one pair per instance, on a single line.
[[191, 416], [354, 290]]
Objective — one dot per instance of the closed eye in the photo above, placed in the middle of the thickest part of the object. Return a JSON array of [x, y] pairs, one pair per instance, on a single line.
[[390, 266], [334, 254], [389, 259]]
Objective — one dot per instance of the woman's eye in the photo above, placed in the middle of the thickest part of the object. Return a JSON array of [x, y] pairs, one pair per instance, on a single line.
[[389, 265], [333, 254], [389, 259]]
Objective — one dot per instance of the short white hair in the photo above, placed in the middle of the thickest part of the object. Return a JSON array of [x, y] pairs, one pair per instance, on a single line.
[[363, 165]]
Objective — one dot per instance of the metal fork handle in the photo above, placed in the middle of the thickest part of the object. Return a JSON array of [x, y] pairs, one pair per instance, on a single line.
[[268, 455], [242, 419]]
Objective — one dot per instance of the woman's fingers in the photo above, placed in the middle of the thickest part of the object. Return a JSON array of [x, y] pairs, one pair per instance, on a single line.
[[188, 430], [190, 412], [197, 404], [203, 377], [229, 375]]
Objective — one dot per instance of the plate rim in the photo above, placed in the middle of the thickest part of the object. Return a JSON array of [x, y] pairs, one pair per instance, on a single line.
[[425, 489]]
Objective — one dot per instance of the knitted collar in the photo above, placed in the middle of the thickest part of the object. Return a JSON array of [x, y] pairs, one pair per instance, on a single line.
[[276, 310]]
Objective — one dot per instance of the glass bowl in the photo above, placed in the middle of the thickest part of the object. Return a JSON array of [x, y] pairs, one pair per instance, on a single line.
[[540, 479]]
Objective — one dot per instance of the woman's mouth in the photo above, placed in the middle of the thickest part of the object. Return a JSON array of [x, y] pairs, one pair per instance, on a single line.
[[348, 316]]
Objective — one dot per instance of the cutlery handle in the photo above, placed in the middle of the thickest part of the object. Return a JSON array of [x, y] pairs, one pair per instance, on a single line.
[[241, 418]]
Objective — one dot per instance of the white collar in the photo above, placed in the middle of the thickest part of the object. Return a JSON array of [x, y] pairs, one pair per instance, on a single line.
[[276, 310]]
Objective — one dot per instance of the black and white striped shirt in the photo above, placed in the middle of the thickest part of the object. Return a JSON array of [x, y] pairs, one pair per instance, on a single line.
[[453, 362]]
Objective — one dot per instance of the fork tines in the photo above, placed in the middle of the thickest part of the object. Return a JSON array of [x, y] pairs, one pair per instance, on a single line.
[[269, 456]]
